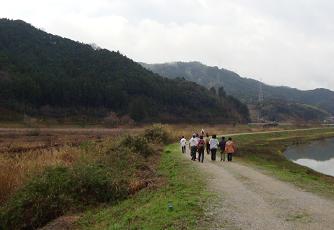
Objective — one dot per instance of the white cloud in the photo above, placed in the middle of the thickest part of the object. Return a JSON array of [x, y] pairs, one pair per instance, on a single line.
[[283, 42]]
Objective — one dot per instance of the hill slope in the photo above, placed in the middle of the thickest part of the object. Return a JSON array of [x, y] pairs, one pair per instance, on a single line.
[[44, 74], [244, 89]]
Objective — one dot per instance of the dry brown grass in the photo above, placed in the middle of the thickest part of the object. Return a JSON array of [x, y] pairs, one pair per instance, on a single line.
[[18, 168], [27, 152], [23, 155]]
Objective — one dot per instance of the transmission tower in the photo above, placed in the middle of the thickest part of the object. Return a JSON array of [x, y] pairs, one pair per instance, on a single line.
[[260, 101], [260, 93]]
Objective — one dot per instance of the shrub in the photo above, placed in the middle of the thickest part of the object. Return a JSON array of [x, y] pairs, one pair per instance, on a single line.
[[96, 183], [41, 200], [109, 174], [34, 162], [58, 190], [158, 134], [137, 144]]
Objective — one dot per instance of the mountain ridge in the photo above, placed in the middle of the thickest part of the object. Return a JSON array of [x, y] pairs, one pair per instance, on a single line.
[[48, 75], [175, 63], [245, 89]]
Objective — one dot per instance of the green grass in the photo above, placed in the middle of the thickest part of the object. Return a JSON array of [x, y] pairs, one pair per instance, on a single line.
[[184, 187], [265, 151]]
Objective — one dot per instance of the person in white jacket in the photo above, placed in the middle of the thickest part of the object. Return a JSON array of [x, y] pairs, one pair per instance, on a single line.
[[183, 143], [213, 146], [193, 147]]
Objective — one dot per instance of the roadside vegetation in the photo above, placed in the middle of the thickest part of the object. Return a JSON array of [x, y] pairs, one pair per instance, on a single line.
[[17, 169], [76, 178], [265, 151], [28, 152], [177, 203]]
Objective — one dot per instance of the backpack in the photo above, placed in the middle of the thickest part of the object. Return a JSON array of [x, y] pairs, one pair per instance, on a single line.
[[201, 143]]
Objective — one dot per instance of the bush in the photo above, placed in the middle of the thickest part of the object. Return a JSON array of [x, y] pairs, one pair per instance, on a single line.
[[137, 144], [39, 201], [158, 134], [96, 183], [108, 177], [58, 190]]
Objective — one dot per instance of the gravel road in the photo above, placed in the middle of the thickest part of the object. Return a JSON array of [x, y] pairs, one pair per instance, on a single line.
[[249, 199]]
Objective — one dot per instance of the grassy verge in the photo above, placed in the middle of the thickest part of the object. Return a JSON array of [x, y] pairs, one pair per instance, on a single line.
[[184, 188], [265, 151]]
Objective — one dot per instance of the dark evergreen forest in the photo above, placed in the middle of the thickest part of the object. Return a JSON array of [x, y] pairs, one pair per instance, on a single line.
[[46, 75]]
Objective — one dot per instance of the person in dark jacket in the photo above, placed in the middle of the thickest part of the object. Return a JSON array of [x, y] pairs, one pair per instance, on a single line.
[[207, 143], [222, 144], [200, 149]]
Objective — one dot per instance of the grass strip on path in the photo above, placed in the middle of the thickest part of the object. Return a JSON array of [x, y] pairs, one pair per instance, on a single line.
[[184, 188]]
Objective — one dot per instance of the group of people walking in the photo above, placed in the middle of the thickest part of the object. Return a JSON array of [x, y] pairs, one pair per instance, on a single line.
[[199, 144]]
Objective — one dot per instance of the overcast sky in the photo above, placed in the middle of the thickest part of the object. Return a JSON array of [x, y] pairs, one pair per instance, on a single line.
[[282, 42]]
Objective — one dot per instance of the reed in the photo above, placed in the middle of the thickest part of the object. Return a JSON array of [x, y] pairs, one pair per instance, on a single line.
[[16, 169]]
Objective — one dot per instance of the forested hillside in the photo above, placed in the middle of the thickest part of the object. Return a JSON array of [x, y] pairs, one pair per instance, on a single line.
[[46, 75], [277, 110], [244, 89]]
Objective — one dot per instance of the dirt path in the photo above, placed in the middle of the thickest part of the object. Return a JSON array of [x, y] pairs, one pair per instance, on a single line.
[[277, 131], [249, 199]]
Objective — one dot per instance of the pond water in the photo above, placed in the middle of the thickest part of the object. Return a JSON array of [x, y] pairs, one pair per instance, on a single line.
[[318, 155]]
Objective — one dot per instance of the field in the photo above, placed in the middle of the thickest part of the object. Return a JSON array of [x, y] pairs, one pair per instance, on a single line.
[[27, 152], [34, 158], [46, 173]]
